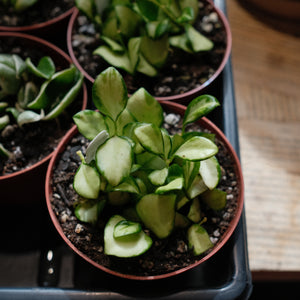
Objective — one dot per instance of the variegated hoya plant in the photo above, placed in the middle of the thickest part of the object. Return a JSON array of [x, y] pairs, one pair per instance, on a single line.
[[133, 164]]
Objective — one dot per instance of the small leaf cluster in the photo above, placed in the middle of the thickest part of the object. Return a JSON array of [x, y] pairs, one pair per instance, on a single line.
[[132, 163], [31, 93], [18, 5], [138, 35]]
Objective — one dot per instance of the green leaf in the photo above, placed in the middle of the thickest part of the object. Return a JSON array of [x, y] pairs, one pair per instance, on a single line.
[[190, 171], [199, 107], [125, 228], [115, 47], [128, 20], [89, 123], [197, 187], [21, 5], [186, 16], [155, 51], [116, 59], [110, 93], [4, 152], [158, 213], [215, 199], [199, 240], [176, 184], [210, 172], [66, 99], [4, 121], [150, 137], [157, 29], [98, 140], [128, 185], [88, 211], [134, 245], [180, 41], [167, 143], [29, 116], [158, 177], [124, 119], [3, 106], [114, 159], [198, 41], [145, 68], [150, 161], [27, 93], [145, 108], [196, 148], [148, 9], [87, 182], [44, 69]]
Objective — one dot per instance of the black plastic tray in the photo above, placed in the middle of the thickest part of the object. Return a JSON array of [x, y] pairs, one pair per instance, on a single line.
[[36, 264]]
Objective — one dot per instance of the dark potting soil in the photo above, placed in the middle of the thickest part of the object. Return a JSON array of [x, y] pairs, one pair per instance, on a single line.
[[165, 255], [181, 73], [40, 12], [34, 141]]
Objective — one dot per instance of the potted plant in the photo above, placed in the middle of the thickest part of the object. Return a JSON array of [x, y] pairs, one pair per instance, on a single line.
[[150, 194], [36, 17], [40, 91], [175, 51]]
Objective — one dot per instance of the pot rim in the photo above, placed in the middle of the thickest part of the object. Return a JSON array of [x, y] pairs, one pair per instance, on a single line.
[[225, 237], [177, 97], [42, 25], [68, 59]]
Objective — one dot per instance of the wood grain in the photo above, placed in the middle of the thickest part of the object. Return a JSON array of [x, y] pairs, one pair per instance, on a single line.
[[266, 66]]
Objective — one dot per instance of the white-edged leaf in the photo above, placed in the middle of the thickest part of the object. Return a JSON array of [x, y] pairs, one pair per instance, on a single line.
[[110, 93], [196, 148], [210, 172], [114, 159], [87, 182], [89, 123]]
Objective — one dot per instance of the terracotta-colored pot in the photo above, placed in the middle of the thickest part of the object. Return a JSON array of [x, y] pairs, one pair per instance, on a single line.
[[27, 185], [204, 123], [47, 29], [182, 98]]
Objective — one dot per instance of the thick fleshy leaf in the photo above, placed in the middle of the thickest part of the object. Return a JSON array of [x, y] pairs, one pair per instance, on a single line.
[[215, 199], [128, 185], [155, 51], [87, 182], [198, 41], [158, 177], [125, 228], [180, 41], [124, 118], [198, 239], [110, 93], [89, 211], [144, 67], [128, 20], [114, 159], [199, 107], [65, 100], [145, 108], [134, 245], [4, 152], [21, 5], [45, 68], [4, 121], [148, 9], [116, 59], [89, 123], [27, 93], [98, 140], [196, 148], [210, 171], [150, 137], [176, 184], [158, 213], [197, 187], [29, 116]]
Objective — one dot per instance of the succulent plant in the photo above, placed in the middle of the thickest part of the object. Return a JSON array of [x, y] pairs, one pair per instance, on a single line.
[[138, 35], [31, 93], [152, 179], [18, 5]]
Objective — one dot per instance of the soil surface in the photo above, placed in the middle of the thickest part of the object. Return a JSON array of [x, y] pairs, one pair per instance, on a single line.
[[181, 73], [40, 12], [34, 141], [165, 255]]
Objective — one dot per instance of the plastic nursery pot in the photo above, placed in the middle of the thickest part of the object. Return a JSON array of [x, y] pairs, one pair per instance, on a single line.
[[169, 107], [47, 28], [27, 185], [182, 97]]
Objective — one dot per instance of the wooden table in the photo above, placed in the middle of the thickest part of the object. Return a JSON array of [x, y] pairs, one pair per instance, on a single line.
[[266, 68]]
